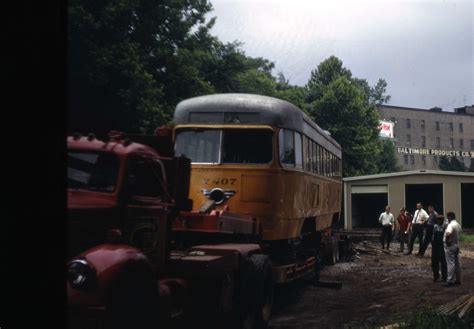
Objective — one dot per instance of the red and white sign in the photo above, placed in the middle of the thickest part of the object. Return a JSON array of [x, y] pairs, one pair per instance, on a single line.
[[386, 129]]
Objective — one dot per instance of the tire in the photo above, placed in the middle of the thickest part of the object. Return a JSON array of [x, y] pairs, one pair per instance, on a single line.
[[133, 301], [331, 251], [257, 292]]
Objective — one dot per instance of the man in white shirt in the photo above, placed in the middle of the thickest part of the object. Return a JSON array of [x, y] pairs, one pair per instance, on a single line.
[[387, 220], [451, 250], [416, 227]]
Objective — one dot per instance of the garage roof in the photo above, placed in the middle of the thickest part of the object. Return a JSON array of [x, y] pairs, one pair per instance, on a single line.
[[410, 173]]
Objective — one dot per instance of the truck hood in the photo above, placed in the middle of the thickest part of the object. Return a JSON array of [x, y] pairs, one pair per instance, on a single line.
[[77, 199]]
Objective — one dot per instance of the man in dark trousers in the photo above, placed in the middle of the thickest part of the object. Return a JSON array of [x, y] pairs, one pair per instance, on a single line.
[[451, 250], [403, 220], [438, 258], [416, 227], [388, 224], [429, 226]]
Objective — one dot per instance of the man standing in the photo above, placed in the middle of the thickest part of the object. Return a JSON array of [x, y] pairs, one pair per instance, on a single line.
[[429, 225], [403, 220], [387, 220], [438, 256], [451, 250], [416, 227]]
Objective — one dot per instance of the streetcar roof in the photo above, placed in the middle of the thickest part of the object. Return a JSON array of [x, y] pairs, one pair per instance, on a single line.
[[251, 109]]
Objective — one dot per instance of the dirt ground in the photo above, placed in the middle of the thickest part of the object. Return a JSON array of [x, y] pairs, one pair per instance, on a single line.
[[376, 290]]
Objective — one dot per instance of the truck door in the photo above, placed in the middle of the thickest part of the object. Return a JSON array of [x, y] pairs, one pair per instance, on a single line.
[[147, 202]]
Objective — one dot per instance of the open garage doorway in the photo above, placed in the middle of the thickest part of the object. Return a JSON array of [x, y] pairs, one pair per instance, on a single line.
[[427, 194], [368, 202], [467, 209]]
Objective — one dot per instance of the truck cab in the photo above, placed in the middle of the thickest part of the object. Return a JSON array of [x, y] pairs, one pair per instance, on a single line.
[[121, 197]]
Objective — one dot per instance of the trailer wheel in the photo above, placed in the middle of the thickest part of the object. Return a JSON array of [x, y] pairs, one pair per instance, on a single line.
[[257, 289], [331, 251]]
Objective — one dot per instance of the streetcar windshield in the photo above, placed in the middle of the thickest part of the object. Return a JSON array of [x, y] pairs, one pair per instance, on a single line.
[[252, 146]]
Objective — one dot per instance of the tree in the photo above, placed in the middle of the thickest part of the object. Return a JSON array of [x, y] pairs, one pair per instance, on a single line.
[[293, 94], [342, 105], [256, 82], [130, 62], [451, 164], [378, 94], [387, 161]]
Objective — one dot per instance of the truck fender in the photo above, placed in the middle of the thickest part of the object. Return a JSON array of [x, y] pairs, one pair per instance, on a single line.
[[109, 263]]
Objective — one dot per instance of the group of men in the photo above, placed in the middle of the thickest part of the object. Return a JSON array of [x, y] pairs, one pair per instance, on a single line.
[[430, 228]]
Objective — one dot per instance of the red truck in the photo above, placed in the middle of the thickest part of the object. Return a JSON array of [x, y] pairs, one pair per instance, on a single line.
[[129, 269]]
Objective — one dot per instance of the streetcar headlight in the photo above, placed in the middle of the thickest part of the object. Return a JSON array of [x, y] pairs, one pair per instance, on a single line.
[[80, 274], [218, 195]]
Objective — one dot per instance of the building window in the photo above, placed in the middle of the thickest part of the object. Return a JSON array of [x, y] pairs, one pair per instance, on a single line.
[[408, 140], [408, 123], [472, 144], [405, 159], [423, 159], [392, 119], [437, 125], [412, 159], [423, 124], [450, 126], [438, 142], [423, 141], [461, 144], [461, 128], [451, 143], [435, 160]]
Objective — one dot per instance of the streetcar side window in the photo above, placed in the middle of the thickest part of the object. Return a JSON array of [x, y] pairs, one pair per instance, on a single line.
[[298, 151], [306, 153], [287, 148]]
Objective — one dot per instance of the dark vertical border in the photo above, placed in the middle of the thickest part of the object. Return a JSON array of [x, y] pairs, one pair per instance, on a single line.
[[33, 221]]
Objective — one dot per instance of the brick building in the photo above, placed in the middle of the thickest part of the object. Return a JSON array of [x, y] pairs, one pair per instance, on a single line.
[[422, 136]]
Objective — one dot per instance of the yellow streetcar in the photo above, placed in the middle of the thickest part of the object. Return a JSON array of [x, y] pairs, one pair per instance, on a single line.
[[264, 157]]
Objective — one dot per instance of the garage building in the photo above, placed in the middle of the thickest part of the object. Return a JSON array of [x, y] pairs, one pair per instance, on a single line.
[[365, 197]]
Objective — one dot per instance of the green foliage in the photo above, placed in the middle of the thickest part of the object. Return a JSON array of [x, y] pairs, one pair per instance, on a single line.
[[469, 238], [128, 61], [131, 63], [256, 82], [471, 166], [345, 106], [387, 161], [429, 319], [451, 164], [378, 94]]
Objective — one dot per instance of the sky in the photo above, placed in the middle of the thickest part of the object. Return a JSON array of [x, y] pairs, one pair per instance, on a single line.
[[424, 49]]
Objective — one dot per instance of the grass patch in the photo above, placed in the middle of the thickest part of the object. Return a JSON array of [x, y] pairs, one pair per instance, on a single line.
[[431, 320], [466, 238]]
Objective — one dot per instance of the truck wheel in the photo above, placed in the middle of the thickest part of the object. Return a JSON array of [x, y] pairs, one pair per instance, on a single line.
[[258, 292], [133, 301]]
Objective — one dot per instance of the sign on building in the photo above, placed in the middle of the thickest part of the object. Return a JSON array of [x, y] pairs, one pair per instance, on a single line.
[[386, 129]]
